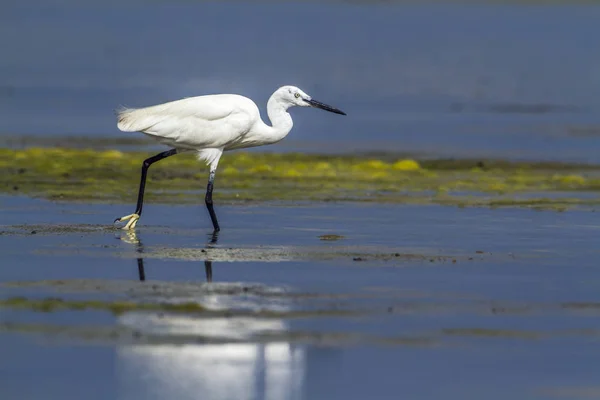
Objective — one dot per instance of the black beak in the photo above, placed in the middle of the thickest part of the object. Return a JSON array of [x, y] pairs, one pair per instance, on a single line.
[[325, 107]]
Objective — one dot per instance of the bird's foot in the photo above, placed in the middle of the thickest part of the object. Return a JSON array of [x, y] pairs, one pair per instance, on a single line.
[[133, 220]]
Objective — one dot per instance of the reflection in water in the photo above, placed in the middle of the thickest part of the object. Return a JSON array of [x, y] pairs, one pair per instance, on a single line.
[[215, 371], [237, 369], [141, 272], [132, 238]]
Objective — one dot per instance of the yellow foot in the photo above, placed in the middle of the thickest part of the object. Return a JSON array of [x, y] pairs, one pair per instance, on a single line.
[[133, 219]]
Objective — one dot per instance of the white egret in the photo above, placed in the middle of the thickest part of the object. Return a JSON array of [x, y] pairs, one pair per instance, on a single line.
[[210, 125]]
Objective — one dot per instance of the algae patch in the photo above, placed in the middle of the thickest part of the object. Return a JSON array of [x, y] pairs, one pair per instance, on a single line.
[[51, 304], [54, 304], [491, 333], [331, 237], [113, 176]]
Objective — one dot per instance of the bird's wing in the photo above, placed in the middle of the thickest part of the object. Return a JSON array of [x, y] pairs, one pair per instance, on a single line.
[[197, 122]]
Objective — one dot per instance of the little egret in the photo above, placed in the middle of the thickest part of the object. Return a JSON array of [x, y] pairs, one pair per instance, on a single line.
[[210, 125]]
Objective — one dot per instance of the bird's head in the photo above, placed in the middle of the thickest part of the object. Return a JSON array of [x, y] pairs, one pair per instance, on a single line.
[[293, 96]]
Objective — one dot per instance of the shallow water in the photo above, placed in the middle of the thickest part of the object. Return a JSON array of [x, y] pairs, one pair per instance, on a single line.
[[414, 302], [483, 303]]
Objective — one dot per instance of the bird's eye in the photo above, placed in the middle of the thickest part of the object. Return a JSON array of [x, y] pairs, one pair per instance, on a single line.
[[297, 95]]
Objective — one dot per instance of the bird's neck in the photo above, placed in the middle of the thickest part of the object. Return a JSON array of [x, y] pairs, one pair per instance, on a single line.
[[281, 120]]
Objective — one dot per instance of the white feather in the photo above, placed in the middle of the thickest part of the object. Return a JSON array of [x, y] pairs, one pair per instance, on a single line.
[[214, 123], [193, 123], [210, 157]]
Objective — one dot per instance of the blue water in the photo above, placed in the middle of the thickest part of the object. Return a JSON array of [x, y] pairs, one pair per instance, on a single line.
[[535, 262], [505, 80], [454, 80]]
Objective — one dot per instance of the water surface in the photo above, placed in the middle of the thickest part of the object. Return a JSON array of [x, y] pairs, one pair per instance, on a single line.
[[509, 80], [487, 303], [407, 301]]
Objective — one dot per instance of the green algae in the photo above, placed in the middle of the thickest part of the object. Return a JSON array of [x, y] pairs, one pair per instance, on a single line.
[[330, 237], [491, 333], [112, 176], [120, 334], [52, 304], [119, 307]]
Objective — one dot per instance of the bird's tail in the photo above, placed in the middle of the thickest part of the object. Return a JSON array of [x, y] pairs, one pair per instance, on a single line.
[[125, 121]]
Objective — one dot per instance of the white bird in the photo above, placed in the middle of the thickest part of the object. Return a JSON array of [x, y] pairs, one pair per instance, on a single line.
[[210, 125]]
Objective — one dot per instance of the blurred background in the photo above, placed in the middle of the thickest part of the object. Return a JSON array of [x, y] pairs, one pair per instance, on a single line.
[[488, 78]]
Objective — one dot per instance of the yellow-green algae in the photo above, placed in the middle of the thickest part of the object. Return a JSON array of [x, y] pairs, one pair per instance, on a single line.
[[331, 237], [485, 332], [118, 307], [51, 304], [113, 176]]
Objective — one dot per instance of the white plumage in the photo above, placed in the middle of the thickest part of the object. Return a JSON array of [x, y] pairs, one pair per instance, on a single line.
[[210, 125], [193, 123]]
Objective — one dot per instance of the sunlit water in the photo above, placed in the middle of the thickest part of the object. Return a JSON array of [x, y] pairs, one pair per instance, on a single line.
[[500, 80], [518, 320]]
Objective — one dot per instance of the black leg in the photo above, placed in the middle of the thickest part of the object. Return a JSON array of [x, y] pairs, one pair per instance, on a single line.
[[209, 201], [147, 163], [214, 237]]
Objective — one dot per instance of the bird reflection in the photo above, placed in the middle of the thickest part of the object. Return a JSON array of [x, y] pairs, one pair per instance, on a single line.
[[141, 272], [131, 237], [228, 363]]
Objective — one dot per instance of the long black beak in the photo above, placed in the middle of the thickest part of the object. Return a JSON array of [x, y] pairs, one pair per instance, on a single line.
[[323, 106]]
